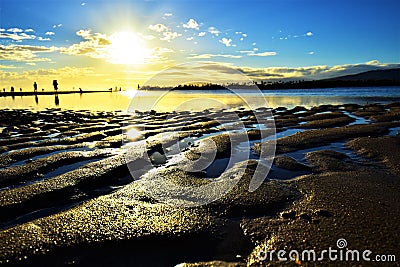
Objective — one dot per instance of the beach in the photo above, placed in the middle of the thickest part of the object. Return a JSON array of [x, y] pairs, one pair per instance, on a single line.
[[68, 196]]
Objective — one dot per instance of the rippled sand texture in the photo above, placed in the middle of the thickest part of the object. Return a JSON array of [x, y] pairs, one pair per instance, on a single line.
[[67, 197]]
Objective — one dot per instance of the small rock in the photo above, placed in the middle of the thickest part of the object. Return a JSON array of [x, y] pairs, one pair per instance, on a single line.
[[323, 213], [289, 163], [306, 217], [289, 215]]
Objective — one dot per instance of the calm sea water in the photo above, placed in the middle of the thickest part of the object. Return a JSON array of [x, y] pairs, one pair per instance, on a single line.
[[200, 100]]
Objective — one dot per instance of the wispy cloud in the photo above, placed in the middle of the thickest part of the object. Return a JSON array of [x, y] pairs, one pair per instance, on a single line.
[[191, 24], [214, 31], [290, 36], [17, 36], [43, 39], [201, 34], [261, 54], [167, 16], [57, 26], [255, 54], [15, 30], [49, 33], [208, 56], [7, 66], [24, 53]]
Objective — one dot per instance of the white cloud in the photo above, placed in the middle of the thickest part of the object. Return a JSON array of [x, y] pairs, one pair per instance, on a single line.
[[309, 34], [311, 53], [214, 31], [49, 33], [43, 39], [57, 26], [190, 38], [262, 54], [17, 36], [244, 35], [168, 36], [83, 4], [29, 30], [98, 46], [254, 44], [373, 62], [24, 53], [94, 45], [7, 66], [241, 39], [191, 24], [167, 16], [201, 34], [2, 30], [227, 42], [208, 56], [158, 27], [15, 30]]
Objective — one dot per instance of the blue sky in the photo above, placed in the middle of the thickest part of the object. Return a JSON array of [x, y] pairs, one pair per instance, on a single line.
[[297, 39]]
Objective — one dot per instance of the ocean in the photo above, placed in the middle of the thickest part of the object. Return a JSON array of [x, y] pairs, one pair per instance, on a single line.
[[200, 100]]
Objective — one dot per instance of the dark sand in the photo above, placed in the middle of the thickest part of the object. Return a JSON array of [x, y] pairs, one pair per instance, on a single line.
[[67, 197]]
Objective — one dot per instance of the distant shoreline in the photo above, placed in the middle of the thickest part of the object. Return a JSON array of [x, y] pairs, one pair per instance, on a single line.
[[50, 93]]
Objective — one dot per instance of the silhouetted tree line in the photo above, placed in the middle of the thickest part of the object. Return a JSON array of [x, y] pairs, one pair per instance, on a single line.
[[326, 84], [282, 85]]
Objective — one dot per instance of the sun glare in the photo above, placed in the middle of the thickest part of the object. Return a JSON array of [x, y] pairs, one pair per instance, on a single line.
[[127, 48]]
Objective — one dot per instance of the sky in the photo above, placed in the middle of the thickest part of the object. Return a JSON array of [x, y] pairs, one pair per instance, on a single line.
[[101, 44]]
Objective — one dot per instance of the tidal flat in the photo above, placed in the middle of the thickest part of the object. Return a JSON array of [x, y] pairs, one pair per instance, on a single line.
[[68, 196]]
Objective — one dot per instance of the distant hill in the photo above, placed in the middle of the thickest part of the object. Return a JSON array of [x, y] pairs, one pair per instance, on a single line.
[[376, 75], [389, 77]]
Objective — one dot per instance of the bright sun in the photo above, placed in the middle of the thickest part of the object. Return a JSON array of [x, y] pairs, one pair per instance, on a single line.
[[127, 48]]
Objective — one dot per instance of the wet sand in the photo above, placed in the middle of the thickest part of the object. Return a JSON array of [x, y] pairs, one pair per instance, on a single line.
[[67, 196]]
